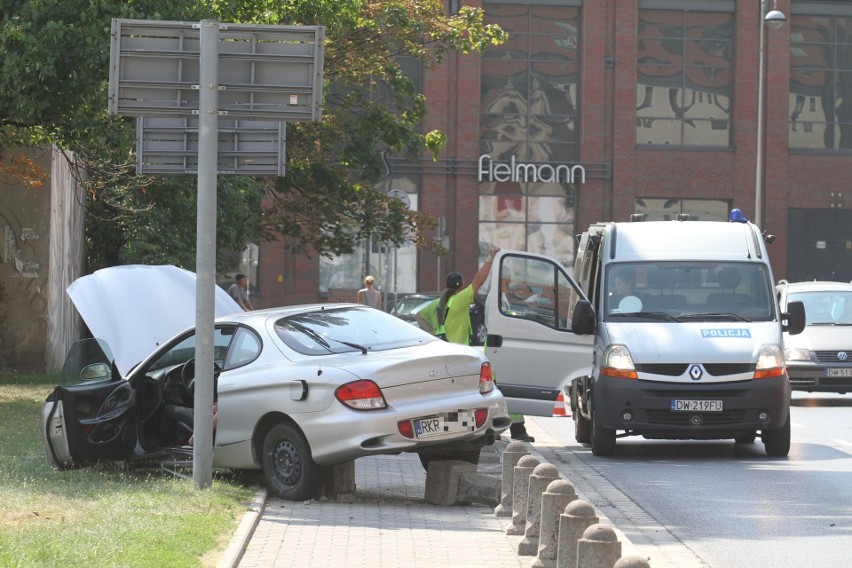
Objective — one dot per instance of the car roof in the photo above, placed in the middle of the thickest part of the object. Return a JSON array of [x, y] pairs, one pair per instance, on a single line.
[[817, 286]]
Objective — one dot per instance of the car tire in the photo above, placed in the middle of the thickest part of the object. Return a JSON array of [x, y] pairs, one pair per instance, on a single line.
[[290, 471], [469, 456], [602, 438], [777, 442], [582, 428], [746, 438]]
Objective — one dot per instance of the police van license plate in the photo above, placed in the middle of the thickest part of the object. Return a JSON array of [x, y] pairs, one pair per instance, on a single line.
[[426, 427], [679, 405]]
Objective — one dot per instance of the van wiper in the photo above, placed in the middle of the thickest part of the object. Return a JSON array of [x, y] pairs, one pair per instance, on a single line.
[[720, 316], [650, 315]]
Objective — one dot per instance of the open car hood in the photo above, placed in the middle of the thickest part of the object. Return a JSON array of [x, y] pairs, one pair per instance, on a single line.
[[136, 308]]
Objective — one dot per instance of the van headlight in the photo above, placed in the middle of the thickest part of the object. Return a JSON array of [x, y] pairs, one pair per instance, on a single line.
[[770, 362], [617, 362]]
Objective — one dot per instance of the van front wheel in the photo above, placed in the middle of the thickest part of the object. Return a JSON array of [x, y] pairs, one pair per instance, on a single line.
[[582, 428], [602, 438], [777, 442]]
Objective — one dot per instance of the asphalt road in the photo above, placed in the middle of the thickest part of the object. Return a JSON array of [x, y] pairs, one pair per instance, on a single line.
[[731, 504]]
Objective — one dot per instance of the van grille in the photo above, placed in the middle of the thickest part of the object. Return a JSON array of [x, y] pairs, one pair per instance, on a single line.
[[678, 369]]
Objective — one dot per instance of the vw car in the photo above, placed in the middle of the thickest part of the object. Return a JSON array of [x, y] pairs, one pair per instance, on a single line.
[[296, 389], [820, 358]]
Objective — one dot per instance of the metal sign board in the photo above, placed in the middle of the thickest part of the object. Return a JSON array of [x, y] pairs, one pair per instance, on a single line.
[[266, 72], [170, 146]]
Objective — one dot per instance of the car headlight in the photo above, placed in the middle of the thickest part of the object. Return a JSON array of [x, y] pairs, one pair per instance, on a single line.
[[796, 354], [617, 362]]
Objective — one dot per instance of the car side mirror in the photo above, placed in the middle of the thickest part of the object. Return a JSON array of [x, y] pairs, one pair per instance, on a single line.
[[584, 320], [793, 320]]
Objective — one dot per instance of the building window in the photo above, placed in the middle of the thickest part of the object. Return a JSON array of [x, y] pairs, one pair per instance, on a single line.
[[529, 115], [656, 209], [821, 82], [683, 90]]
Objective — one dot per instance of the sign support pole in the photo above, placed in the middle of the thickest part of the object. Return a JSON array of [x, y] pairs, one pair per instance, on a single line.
[[205, 259]]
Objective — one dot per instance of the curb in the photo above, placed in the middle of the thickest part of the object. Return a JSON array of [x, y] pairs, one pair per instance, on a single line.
[[237, 547]]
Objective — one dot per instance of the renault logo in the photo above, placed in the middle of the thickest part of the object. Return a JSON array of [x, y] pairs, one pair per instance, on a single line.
[[695, 372], [842, 356]]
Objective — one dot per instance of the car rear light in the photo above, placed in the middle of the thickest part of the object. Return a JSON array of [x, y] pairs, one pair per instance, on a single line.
[[486, 379], [405, 428], [361, 395], [480, 415]]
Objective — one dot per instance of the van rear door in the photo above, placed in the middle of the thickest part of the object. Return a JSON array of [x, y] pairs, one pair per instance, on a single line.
[[533, 350]]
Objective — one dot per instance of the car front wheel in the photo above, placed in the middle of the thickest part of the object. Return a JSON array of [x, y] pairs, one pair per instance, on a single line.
[[290, 471]]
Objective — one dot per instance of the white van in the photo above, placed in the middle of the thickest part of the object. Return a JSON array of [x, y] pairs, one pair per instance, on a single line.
[[670, 330]]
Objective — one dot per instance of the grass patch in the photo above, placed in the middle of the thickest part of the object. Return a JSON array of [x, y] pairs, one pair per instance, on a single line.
[[102, 515]]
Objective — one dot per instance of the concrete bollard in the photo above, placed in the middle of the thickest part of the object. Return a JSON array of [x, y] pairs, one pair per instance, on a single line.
[[577, 517], [513, 452], [541, 477], [632, 561], [520, 492], [598, 548], [555, 498]]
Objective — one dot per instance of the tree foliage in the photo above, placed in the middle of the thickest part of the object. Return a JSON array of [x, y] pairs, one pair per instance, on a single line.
[[53, 83]]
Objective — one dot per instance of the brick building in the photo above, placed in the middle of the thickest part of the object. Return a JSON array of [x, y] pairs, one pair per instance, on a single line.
[[597, 109]]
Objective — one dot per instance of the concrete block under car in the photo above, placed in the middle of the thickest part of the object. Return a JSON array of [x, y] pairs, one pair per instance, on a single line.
[[455, 482]]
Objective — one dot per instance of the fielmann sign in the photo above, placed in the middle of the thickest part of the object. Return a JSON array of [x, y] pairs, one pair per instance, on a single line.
[[514, 171]]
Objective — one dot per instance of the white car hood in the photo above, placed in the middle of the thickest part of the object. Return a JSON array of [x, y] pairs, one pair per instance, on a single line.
[[136, 308]]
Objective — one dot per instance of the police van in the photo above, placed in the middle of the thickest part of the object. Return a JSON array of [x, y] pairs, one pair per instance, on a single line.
[[665, 329]]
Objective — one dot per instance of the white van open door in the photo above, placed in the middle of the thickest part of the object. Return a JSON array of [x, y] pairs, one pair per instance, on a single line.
[[533, 350]]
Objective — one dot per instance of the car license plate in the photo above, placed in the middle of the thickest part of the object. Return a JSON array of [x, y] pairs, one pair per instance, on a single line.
[[679, 405], [838, 372], [427, 427]]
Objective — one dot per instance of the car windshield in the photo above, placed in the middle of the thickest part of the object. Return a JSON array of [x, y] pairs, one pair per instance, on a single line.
[[825, 307], [340, 330], [688, 291]]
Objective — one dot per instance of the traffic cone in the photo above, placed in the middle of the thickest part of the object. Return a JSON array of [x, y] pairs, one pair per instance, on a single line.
[[559, 407]]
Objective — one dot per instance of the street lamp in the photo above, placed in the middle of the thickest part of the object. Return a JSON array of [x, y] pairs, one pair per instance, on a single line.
[[775, 20]]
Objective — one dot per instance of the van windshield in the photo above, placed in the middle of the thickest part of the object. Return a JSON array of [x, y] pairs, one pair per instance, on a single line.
[[688, 291]]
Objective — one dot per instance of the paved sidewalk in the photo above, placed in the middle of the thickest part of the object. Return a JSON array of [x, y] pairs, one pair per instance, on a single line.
[[390, 524]]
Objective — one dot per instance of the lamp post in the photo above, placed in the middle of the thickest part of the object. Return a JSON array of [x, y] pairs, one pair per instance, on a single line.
[[775, 20]]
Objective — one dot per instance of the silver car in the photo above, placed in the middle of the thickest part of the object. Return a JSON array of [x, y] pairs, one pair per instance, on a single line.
[[820, 358], [296, 388]]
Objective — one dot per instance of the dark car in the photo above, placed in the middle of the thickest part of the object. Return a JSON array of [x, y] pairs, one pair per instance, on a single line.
[[406, 308]]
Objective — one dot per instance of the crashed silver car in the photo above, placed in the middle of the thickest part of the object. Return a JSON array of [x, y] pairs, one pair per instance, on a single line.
[[296, 388]]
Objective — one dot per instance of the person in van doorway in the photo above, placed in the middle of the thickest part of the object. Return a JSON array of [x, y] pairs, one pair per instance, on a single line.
[[448, 317], [239, 292], [367, 295]]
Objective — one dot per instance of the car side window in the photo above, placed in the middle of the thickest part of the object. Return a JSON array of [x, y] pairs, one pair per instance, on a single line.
[[536, 289], [245, 348]]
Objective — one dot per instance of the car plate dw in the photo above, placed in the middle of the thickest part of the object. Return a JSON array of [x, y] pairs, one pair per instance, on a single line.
[[680, 405], [838, 372]]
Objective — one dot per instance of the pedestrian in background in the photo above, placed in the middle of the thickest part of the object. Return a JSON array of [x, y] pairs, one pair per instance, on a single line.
[[448, 317], [367, 295], [239, 292]]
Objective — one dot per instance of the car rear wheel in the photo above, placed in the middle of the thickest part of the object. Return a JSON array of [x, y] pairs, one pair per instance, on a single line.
[[469, 456], [777, 442], [290, 471], [602, 438]]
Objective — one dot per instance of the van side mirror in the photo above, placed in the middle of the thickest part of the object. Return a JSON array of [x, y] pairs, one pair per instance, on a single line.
[[793, 320], [584, 320]]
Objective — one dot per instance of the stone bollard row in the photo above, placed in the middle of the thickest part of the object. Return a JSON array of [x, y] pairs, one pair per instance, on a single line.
[[598, 548], [513, 452], [541, 477], [555, 498], [520, 494], [573, 522]]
